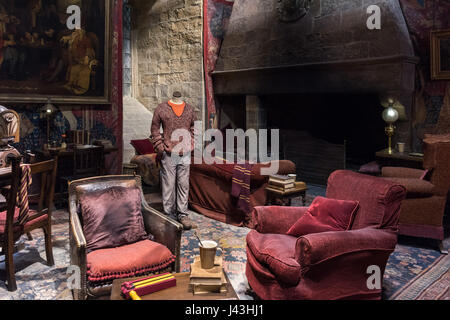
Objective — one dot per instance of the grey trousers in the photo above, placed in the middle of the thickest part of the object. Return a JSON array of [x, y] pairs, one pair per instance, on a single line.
[[175, 184]]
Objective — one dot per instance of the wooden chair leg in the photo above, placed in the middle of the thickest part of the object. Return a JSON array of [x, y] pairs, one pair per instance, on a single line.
[[48, 245], [9, 264], [441, 247]]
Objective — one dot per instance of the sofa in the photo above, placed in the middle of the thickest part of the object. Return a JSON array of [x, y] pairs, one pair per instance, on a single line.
[[210, 191]]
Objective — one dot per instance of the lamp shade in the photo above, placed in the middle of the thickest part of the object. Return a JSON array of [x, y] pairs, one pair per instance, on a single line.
[[390, 115]]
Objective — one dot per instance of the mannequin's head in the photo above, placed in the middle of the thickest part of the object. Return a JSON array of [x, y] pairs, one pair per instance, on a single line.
[[177, 97]]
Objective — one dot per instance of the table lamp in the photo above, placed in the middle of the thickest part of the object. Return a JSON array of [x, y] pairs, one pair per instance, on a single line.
[[390, 116], [47, 111]]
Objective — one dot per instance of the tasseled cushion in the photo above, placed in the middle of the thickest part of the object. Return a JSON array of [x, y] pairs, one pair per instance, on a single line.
[[128, 261]]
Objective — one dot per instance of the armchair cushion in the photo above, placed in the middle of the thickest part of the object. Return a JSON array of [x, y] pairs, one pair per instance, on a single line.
[[32, 221], [130, 260], [276, 252], [325, 215], [143, 146], [416, 187], [112, 217]]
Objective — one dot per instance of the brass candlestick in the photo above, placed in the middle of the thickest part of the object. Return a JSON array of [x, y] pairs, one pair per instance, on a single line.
[[390, 131]]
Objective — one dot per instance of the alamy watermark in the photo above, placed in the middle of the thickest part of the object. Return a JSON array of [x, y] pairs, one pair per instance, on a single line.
[[240, 147]]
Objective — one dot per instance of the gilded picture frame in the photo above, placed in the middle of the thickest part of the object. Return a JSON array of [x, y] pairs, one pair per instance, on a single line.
[[41, 58], [440, 55]]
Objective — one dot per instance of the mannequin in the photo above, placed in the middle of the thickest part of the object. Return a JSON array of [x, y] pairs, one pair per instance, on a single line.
[[174, 115], [177, 103]]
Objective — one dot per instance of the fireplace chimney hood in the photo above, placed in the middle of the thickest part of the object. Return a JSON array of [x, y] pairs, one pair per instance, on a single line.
[[327, 48]]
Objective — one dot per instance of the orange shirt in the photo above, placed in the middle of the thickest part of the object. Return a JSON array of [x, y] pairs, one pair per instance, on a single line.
[[178, 109]]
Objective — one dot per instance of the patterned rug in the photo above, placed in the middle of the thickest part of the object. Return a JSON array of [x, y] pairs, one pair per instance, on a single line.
[[415, 270]]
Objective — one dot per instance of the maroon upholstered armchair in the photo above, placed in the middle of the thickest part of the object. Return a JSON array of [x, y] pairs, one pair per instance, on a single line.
[[328, 265], [427, 191]]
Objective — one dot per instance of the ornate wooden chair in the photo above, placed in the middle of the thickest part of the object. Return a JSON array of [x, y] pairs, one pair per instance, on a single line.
[[39, 216]]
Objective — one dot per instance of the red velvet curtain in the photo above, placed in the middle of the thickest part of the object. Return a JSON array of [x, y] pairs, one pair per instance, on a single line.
[[216, 14]]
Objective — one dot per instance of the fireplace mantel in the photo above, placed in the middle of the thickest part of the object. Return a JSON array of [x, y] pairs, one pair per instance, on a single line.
[[372, 75]]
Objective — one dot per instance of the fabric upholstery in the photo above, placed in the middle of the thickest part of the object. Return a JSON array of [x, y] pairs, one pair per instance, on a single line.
[[378, 198], [210, 191], [275, 219], [148, 168], [423, 210], [143, 146], [370, 168], [19, 228], [415, 187], [276, 252], [325, 215], [128, 261], [325, 265], [112, 217], [400, 172]]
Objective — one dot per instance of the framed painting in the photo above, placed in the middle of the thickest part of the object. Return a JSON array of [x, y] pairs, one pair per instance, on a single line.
[[41, 58], [440, 55]]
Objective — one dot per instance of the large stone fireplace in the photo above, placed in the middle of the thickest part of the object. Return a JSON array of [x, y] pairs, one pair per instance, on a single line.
[[322, 78]]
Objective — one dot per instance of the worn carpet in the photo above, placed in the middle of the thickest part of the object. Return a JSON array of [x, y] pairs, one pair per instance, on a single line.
[[416, 270]]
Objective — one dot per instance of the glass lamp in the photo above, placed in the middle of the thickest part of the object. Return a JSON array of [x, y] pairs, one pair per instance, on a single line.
[[390, 116]]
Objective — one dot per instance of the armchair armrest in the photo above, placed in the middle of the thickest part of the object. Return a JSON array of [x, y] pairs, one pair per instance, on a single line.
[[400, 172], [276, 220], [316, 248], [165, 230], [78, 251]]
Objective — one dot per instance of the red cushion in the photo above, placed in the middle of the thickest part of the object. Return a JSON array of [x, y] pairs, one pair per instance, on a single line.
[[128, 261], [324, 215], [143, 146], [276, 252], [16, 217], [112, 217]]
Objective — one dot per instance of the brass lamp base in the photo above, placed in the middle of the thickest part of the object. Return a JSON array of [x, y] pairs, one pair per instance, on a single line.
[[390, 131]]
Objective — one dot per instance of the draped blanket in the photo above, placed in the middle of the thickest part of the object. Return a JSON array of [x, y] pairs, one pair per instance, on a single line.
[[240, 188], [22, 197]]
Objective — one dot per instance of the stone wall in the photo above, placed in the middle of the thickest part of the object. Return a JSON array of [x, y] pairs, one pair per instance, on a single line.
[[168, 37]]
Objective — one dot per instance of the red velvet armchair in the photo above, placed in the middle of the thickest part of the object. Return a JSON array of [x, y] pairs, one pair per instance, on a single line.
[[328, 265], [427, 191]]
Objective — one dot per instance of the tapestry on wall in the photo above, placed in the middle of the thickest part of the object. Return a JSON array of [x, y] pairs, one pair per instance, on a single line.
[[216, 17], [432, 100], [103, 123]]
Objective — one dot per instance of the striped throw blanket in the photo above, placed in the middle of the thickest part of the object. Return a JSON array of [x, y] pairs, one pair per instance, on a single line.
[[241, 186], [22, 197]]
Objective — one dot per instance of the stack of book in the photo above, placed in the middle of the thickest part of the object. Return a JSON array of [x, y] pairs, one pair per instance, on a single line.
[[281, 183], [207, 281]]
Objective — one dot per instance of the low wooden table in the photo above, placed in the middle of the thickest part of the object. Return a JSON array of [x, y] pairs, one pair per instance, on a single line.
[[285, 197], [182, 291]]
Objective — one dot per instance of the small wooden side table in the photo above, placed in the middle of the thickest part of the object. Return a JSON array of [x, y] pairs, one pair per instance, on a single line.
[[397, 159], [182, 291], [274, 197]]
